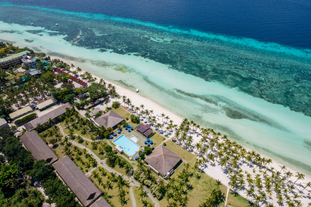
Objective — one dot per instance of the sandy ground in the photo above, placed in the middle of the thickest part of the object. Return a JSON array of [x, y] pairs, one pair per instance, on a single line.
[[214, 169]]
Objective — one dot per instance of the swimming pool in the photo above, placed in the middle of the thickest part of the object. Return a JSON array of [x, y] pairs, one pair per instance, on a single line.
[[134, 139], [127, 145]]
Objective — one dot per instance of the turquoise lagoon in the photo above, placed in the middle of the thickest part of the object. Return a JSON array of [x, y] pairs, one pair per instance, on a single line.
[[259, 94]]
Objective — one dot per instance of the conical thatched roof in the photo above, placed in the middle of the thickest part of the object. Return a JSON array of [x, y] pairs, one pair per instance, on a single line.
[[163, 160], [109, 119]]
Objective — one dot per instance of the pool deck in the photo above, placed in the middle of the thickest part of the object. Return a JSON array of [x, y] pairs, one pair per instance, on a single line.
[[140, 137], [122, 133]]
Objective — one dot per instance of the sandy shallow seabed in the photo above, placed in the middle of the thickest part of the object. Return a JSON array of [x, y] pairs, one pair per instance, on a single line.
[[135, 72]]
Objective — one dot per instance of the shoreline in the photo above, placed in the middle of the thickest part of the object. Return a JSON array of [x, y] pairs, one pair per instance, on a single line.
[[138, 99], [215, 172]]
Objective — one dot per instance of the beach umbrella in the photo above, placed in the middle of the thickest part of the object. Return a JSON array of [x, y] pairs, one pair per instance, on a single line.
[[119, 131], [145, 121], [148, 144], [156, 128], [143, 150], [115, 134], [125, 128], [129, 130], [135, 158], [161, 132], [145, 142], [165, 134], [151, 142], [111, 136], [128, 125], [132, 128], [148, 139], [141, 119], [149, 123]]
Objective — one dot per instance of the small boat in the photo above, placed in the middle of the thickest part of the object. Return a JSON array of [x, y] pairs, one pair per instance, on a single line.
[[31, 24], [137, 90], [56, 24]]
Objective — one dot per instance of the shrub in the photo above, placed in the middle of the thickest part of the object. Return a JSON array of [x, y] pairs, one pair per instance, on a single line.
[[148, 150], [142, 155], [115, 105], [25, 119], [135, 119], [147, 183], [164, 144]]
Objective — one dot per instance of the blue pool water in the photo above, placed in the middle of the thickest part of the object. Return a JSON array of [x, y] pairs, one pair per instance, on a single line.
[[134, 139], [127, 145]]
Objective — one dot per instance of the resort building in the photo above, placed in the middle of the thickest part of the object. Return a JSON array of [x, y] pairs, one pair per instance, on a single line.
[[35, 72], [28, 60], [46, 104], [163, 161], [46, 117], [20, 113], [3, 123], [101, 202], [80, 82], [109, 119], [80, 185], [144, 129], [12, 59], [39, 150]]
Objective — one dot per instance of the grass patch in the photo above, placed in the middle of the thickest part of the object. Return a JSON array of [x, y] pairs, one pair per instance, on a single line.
[[236, 200], [157, 139], [125, 114], [181, 152], [112, 192], [119, 169], [140, 202]]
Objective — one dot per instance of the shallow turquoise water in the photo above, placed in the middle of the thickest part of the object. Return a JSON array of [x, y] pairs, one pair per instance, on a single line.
[[257, 93], [127, 145]]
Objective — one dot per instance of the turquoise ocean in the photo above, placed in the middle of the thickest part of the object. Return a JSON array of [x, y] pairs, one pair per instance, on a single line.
[[258, 93]]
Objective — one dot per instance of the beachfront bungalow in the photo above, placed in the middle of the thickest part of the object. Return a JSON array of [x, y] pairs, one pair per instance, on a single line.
[[80, 185], [3, 123], [39, 150], [144, 129], [12, 59], [163, 161], [82, 83], [109, 119], [46, 117], [46, 104], [101, 202], [35, 72], [19, 113]]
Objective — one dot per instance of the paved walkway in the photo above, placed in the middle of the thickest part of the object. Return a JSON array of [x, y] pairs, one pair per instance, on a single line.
[[103, 164]]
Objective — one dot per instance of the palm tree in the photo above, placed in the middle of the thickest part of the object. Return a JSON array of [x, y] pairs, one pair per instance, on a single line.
[[307, 185], [299, 176]]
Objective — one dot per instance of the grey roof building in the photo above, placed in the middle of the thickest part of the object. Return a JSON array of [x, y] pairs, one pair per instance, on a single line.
[[101, 202], [47, 103], [82, 187], [109, 119], [39, 150], [3, 123], [163, 161], [45, 118]]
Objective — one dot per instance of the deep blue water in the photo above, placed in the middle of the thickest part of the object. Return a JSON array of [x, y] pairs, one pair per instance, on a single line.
[[285, 22]]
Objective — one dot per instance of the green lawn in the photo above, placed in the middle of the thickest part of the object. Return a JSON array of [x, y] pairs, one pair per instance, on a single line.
[[113, 192], [202, 185], [139, 202], [181, 152], [157, 139], [121, 169], [125, 114]]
